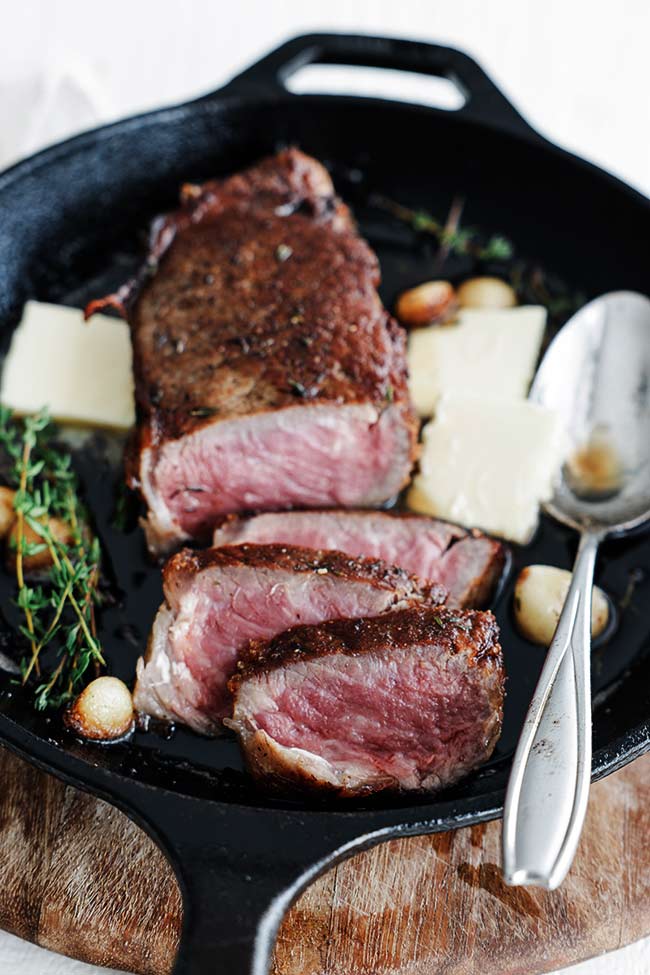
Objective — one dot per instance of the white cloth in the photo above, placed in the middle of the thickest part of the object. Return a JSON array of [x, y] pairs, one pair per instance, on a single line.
[[578, 70]]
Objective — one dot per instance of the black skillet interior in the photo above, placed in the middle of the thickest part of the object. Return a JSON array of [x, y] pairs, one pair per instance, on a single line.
[[72, 228]]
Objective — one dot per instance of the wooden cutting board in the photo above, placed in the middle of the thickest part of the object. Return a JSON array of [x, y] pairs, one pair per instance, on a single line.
[[78, 877]]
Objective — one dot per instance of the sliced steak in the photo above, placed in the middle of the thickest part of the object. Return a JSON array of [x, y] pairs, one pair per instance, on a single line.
[[468, 565], [407, 701], [268, 374], [220, 599]]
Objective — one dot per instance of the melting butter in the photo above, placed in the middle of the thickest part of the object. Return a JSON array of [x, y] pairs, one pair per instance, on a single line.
[[80, 371]]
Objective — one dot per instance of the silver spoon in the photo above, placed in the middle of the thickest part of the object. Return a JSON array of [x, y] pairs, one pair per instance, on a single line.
[[596, 374]]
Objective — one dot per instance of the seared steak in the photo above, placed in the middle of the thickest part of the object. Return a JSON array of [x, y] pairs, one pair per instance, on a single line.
[[467, 564], [410, 700], [268, 374], [218, 600]]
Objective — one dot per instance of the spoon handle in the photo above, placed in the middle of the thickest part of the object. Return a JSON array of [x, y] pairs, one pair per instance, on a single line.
[[548, 788]]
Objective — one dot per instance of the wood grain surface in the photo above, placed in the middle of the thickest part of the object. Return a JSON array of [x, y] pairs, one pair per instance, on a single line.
[[79, 878]]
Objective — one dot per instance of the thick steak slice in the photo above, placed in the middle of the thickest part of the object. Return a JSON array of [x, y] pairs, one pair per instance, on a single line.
[[408, 701], [268, 373], [467, 564], [220, 599]]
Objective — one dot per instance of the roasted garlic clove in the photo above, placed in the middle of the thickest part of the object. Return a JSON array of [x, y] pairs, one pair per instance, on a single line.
[[486, 292], [540, 592], [102, 712], [431, 303]]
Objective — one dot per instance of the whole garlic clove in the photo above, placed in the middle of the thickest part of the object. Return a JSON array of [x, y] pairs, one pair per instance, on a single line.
[[486, 292], [540, 592], [433, 302], [102, 712]]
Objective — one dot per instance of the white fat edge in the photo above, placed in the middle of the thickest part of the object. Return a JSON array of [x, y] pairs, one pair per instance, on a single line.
[[156, 670], [163, 522], [347, 777], [162, 675], [183, 618]]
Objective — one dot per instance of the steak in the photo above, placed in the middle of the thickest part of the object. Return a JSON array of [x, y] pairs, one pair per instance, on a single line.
[[217, 600], [268, 373], [467, 564], [408, 701]]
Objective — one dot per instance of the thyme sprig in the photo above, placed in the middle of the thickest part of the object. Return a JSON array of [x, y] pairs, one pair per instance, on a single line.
[[59, 611], [464, 241]]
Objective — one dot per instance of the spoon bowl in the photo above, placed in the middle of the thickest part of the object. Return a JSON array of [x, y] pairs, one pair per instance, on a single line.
[[596, 374]]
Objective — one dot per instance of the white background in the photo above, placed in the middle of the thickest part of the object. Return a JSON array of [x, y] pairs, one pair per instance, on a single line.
[[578, 70]]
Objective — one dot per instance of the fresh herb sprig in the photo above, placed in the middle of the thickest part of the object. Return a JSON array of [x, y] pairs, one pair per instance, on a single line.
[[50, 518], [464, 241]]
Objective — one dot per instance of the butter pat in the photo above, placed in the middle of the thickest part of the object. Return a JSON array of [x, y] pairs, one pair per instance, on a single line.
[[81, 371], [489, 463], [490, 352]]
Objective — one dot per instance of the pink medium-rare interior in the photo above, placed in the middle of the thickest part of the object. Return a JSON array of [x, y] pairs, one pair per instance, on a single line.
[[463, 566], [314, 456], [218, 615], [407, 716], [414, 544]]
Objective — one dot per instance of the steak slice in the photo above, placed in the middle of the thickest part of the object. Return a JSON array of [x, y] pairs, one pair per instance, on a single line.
[[268, 373], [467, 564], [218, 600], [411, 701]]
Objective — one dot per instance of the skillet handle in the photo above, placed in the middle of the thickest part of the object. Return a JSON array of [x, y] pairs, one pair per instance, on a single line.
[[484, 104], [239, 870]]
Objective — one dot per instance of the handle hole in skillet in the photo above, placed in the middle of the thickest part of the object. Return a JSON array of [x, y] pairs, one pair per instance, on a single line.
[[404, 86]]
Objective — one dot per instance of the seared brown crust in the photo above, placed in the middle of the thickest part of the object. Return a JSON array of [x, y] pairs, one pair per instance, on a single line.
[[483, 589], [472, 631], [482, 593], [259, 295], [188, 562], [473, 634]]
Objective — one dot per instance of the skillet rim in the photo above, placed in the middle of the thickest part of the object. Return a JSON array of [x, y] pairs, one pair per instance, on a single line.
[[230, 97], [114, 785]]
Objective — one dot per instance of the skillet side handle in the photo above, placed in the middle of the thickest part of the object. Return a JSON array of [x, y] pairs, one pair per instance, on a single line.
[[239, 870], [484, 101]]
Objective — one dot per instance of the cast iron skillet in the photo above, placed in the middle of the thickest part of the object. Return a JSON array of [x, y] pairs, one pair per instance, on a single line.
[[70, 219]]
